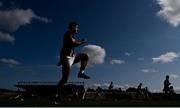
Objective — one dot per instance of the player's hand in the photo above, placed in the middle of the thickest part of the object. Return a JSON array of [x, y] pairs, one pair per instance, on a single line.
[[83, 41]]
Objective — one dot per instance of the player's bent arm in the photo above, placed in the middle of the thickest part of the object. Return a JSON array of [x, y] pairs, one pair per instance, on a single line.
[[77, 43]]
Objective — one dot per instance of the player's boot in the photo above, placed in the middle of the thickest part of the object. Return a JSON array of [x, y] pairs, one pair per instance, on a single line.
[[83, 75]]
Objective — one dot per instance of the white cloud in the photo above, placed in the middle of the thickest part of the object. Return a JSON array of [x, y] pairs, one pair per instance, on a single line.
[[156, 91], [170, 11], [173, 76], [5, 37], [9, 61], [106, 85], [140, 59], [127, 54], [149, 71], [177, 89], [11, 20], [117, 62], [165, 58], [96, 54], [95, 85]]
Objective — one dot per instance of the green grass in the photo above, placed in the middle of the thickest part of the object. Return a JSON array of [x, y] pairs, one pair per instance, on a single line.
[[45, 102]]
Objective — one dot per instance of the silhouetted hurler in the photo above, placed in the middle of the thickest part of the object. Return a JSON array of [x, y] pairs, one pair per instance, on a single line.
[[68, 57]]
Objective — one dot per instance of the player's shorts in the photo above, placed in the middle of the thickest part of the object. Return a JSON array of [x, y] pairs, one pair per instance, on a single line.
[[70, 60]]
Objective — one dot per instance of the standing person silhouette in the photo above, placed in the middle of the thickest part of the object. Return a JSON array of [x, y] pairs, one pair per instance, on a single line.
[[68, 57], [110, 86], [139, 91], [166, 85]]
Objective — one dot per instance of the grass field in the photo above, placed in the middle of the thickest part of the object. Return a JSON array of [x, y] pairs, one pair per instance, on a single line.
[[5, 101]]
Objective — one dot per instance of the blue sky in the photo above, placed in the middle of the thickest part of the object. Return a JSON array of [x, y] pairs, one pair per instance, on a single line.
[[140, 39]]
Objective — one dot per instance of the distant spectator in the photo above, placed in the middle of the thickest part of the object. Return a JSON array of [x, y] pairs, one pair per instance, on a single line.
[[98, 92], [166, 85], [139, 91], [171, 90], [146, 92], [75, 92], [110, 86]]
